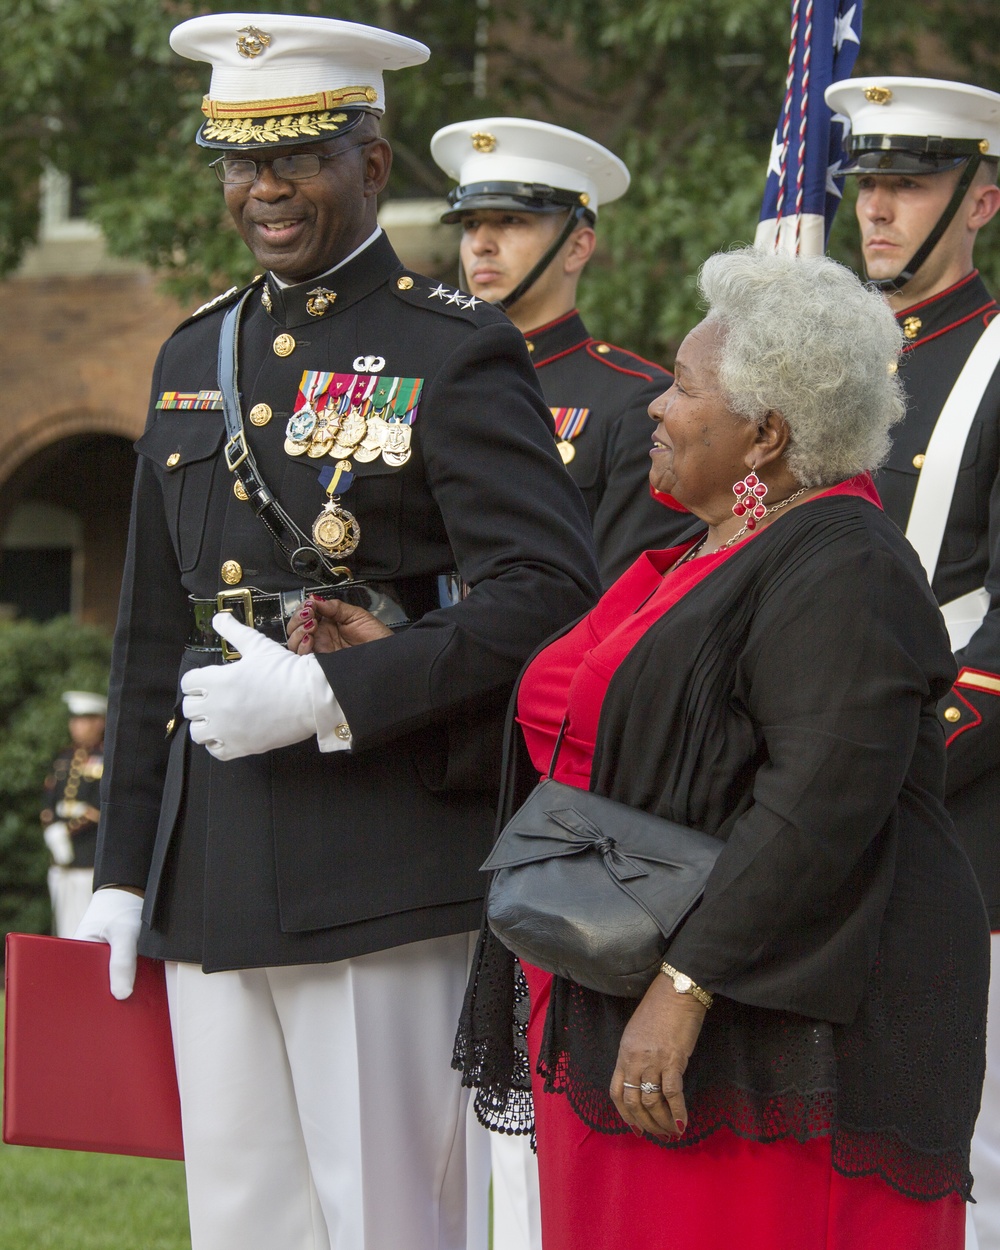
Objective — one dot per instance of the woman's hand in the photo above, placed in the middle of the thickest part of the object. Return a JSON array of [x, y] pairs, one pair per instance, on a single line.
[[655, 1048], [323, 625]]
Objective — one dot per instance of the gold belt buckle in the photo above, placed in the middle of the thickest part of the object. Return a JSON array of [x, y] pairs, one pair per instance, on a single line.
[[245, 596]]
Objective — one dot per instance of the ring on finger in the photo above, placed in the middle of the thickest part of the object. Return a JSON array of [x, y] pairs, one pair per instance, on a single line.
[[649, 1087], [629, 1085]]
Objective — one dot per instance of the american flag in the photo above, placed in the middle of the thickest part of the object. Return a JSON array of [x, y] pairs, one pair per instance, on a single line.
[[803, 190]]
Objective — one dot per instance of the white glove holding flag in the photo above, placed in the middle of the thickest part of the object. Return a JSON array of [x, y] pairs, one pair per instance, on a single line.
[[269, 698], [114, 916], [59, 842]]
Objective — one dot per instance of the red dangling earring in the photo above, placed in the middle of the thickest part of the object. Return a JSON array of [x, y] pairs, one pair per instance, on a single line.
[[750, 494]]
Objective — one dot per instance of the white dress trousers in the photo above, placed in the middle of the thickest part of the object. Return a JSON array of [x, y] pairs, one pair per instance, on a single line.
[[984, 1214], [319, 1106], [70, 890]]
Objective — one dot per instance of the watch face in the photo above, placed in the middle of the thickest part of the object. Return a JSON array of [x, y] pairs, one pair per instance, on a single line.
[[682, 984]]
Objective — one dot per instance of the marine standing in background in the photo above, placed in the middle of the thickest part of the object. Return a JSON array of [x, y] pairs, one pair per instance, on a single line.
[[72, 810], [925, 155], [527, 200], [307, 831]]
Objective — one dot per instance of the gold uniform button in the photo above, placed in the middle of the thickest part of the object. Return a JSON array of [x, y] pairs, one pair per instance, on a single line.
[[260, 414], [918, 460], [603, 348], [173, 458], [912, 327], [952, 714], [239, 491], [171, 724], [404, 284], [283, 345], [529, 345], [343, 731], [232, 572]]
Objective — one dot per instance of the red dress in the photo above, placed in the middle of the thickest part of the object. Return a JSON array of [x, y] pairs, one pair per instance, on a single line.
[[604, 1192]]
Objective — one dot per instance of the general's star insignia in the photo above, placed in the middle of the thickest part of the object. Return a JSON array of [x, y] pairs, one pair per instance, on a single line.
[[438, 292], [455, 297], [471, 301]]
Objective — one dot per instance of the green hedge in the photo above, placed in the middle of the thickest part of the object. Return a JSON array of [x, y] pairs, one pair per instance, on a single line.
[[37, 663]]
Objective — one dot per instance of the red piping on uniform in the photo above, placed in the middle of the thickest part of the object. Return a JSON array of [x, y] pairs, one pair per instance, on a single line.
[[565, 352], [549, 324], [633, 373], [990, 307], [962, 728], [932, 299]]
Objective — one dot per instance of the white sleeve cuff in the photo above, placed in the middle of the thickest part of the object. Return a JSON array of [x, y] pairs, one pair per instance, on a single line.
[[332, 731]]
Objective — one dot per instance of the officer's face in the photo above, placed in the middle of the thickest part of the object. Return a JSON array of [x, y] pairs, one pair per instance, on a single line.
[[896, 213], [499, 247], [299, 229], [86, 731], [700, 447]]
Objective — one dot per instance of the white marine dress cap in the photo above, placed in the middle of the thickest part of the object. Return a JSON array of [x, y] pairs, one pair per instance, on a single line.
[[518, 163], [83, 703], [915, 125], [279, 79]]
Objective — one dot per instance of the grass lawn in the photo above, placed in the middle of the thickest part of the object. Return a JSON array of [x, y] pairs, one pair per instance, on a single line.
[[73, 1200]]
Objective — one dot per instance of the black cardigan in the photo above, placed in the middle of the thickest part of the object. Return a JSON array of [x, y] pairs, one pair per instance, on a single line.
[[787, 705]]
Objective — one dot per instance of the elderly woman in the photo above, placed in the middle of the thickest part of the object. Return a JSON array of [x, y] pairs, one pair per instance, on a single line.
[[773, 682]]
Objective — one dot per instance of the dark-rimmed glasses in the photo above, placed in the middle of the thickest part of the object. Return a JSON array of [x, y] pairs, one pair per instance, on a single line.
[[235, 171]]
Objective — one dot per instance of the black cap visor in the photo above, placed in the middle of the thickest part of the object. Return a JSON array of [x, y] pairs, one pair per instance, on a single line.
[[907, 154], [245, 134], [518, 197]]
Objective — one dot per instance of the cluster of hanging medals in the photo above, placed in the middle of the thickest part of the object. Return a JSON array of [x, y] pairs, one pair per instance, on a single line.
[[345, 415]]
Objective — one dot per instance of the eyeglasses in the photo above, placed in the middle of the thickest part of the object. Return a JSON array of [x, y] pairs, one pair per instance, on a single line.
[[235, 171]]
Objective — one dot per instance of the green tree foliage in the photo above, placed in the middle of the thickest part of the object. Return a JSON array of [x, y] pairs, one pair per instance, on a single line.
[[687, 91], [37, 663]]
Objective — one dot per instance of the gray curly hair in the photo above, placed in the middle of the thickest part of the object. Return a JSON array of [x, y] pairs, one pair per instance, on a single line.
[[805, 338]]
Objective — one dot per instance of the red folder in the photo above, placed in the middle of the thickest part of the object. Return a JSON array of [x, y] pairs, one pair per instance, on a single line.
[[83, 1071]]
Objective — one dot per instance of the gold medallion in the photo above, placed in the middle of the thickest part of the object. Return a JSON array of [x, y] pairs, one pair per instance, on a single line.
[[566, 450], [396, 458], [283, 345], [353, 428], [319, 448], [260, 414], [295, 449], [396, 447], [336, 530], [365, 454]]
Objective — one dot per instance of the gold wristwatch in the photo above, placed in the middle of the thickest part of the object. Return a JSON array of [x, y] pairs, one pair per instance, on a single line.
[[684, 985]]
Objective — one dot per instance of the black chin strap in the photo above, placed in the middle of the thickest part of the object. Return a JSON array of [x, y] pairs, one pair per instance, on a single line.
[[889, 286], [575, 216]]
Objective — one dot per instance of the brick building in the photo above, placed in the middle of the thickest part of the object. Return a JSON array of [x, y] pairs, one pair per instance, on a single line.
[[79, 333]]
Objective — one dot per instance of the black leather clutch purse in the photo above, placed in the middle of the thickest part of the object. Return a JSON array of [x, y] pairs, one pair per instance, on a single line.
[[591, 889]]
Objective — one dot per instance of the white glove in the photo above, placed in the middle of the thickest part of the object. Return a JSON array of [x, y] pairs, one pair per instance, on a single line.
[[59, 842], [269, 698], [114, 916]]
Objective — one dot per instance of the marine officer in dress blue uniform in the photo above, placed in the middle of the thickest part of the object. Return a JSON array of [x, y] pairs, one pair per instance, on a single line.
[[925, 153], [297, 836], [527, 200]]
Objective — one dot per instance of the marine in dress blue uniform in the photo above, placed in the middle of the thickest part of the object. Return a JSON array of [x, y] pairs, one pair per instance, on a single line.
[[528, 198], [925, 152], [307, 830]]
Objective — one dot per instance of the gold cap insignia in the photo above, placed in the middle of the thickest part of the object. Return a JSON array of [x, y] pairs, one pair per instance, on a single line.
[[584, 198], [878, 95], [984, 146], [320, 301], [251, 42], [912, 327], [483, 141]]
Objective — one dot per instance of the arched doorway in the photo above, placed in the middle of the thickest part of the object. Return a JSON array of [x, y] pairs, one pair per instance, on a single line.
[[63, 529]]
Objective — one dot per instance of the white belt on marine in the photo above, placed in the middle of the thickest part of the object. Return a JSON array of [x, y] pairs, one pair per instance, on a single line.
[[936, 484]]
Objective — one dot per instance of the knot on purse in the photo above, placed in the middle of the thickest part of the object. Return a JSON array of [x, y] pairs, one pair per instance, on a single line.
[[589, 836]]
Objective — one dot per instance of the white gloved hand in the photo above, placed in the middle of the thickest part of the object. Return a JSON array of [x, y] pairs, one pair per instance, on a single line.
[[267, 699], [114, 916], [59, 842]]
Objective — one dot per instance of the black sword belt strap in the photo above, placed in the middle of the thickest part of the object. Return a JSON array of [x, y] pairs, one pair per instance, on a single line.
[[304, 558]]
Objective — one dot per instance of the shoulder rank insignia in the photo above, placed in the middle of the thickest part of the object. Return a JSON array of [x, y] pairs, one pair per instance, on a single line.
[[215, 300], [195, 400], [569, 425]]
